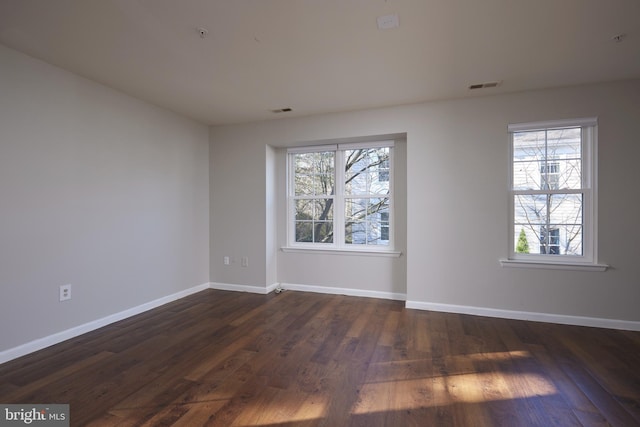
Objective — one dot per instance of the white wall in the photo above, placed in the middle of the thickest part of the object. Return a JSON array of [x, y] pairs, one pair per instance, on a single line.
[[97, 189], [457, 166]]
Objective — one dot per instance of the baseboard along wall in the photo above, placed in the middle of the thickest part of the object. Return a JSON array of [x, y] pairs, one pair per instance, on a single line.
[[562, 319], [41, 343]]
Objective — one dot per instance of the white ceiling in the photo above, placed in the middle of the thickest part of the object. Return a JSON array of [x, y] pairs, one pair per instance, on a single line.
[[320, 56]]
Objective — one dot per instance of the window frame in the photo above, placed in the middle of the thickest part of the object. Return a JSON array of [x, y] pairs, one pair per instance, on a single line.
[[339, 215], [588, 189]]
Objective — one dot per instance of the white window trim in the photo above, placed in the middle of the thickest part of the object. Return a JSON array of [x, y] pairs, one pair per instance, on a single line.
[[342, 251], [589, 260], [338, 246], [548, 265]]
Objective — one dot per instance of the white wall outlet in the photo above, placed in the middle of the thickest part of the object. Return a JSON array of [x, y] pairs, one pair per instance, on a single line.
[[65, 292], [245, 261], [226, 260]]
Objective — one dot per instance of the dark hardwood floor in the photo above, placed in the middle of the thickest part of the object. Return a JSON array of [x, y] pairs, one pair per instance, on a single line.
[[302, 359]]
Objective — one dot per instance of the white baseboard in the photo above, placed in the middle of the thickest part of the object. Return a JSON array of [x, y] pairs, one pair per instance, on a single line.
[[344, 291], [56, 338], [595, 322], [242, 288]]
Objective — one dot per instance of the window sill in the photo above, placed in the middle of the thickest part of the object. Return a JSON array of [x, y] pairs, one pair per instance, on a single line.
[[511, 263], [342, 251]]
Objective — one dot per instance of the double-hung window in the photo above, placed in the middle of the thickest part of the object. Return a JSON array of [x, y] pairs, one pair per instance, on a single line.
[[341, 196], [553, 192]]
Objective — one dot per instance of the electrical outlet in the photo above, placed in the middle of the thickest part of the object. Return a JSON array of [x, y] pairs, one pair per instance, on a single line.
[[65, 292], [245, 261], [226, 260]]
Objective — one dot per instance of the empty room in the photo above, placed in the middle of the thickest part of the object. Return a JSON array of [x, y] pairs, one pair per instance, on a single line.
[[319, 213]]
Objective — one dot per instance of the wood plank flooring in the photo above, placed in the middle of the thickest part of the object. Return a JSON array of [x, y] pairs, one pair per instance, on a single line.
[[301, 359]]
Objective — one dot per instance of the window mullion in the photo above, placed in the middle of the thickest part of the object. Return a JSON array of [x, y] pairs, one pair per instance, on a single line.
[[291, 211], [547, 226], [338, 201]]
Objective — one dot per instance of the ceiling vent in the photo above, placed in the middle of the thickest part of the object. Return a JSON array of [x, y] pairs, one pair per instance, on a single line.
[[484, 85], [281, 110]]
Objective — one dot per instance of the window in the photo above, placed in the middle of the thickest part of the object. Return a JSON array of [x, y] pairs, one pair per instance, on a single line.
[[384, 226], [552, 192], [549, 240], [550, 175], [383, 171], [340, 196]]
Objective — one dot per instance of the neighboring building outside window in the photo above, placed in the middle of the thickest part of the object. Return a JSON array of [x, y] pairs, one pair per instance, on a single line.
[[340, 196], [549, 240], [553, 191], [550, 175], [384, 224]]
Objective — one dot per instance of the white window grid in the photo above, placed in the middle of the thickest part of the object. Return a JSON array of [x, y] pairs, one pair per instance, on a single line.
[[339, 199]]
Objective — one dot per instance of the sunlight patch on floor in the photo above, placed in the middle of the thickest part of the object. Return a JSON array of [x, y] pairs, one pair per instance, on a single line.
[[424, 368], [283, 411], [445, 390]]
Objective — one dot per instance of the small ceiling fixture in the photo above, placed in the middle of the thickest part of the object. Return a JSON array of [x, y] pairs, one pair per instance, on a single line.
[[281, 110], [388, 22], [618, 38], [203, 32], [484, 85]]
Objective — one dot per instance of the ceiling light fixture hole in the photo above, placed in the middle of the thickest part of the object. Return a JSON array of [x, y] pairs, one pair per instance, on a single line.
[[618, 38]]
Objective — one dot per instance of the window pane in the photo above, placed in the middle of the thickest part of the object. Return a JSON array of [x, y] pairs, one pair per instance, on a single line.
[[304, 231], [314, 209], [566, 213], [384, 225], [314, 231], [526, 175], [547, 160], [314, 173], [570, 239], [550, 176], [314, 220], [367, 171], [323, 209], [530, 210], [367, 221], [304, 209], [528, 158], [566, 209], [553, 231], [564, 147], [323, 232], [570, 174], [549, 240]]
